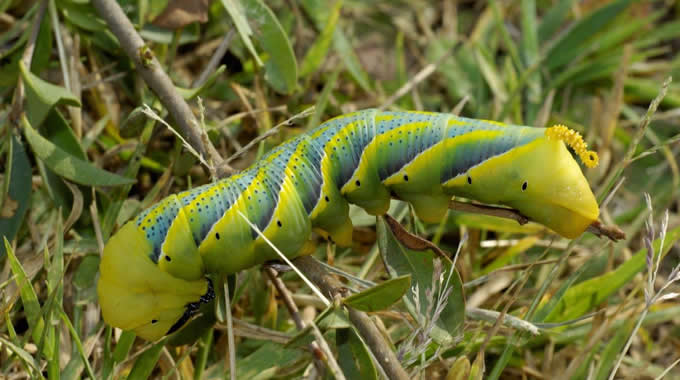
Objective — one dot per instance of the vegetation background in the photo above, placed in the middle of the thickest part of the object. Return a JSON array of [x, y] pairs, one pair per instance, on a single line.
[[82, 152]]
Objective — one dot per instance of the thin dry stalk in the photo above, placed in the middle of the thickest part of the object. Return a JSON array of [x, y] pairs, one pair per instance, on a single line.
[[153, 74]]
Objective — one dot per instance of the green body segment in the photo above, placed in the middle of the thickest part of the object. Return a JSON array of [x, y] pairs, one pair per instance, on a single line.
[[363, 158]]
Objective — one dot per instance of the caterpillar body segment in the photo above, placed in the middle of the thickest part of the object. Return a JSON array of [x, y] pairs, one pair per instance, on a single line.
[[307, 184]]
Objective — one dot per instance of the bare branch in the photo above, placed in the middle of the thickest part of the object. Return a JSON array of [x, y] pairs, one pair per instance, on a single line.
[[614, 233], [363, 323], [155, 77], [299, 323], [489, 210]]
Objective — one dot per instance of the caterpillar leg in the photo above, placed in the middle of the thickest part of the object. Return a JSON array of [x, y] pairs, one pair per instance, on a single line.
[[429, 208]]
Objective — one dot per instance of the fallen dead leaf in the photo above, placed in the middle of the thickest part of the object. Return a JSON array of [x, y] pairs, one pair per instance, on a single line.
[[180, 13]]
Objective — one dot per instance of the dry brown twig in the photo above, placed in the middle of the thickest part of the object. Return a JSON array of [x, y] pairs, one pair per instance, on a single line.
[[614, 233], [363, 323], [317, 349], [155, 77]]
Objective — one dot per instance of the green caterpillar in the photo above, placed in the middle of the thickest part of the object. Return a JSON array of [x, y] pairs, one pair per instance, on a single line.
[[153, 269]]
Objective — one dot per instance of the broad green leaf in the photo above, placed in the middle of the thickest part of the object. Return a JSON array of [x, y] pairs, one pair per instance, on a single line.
[[281, 66], [67, 165], [122, 350], [146, 362], [56, 129], [301, 339], [577, 38], [319, 49], [553, 19], [190, 33], [265, 361], [83, 16], [353, 356], [18, 196], [401, 261], [318, 11], [381, 296], [41, 96], [333, 318], [238, 16], [586, 295]]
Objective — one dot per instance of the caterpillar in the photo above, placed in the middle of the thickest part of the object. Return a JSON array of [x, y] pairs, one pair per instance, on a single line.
[[153, 270]]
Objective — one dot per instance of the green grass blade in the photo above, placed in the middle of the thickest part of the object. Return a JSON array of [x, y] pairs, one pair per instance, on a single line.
[[319, 49], [281, 66], [585, 296], [67, 165], [28, 297], [578, 37], [238, 16]]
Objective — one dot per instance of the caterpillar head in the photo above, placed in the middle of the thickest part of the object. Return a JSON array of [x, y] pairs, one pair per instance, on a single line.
[[135, 293], [541, 180], [554, 191]]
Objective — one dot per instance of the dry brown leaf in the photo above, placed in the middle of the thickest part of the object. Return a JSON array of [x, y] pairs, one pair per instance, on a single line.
[[412, 241], [180, 13], [9, 207]]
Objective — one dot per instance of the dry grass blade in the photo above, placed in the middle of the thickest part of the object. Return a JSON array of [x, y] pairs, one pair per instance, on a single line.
[[287, 261]]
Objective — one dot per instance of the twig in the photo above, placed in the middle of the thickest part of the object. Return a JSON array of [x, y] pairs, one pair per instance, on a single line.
[[489, 210], [328, 354], [152, 72], [363, 323], [214, 60], [614, 233], [300, 324], [508, 320], [268, 133], [146, 110], [285, 295], [248, 330], [508, 268]]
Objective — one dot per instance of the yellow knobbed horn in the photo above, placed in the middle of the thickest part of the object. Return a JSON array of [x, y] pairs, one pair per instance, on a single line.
[[575, 141]]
